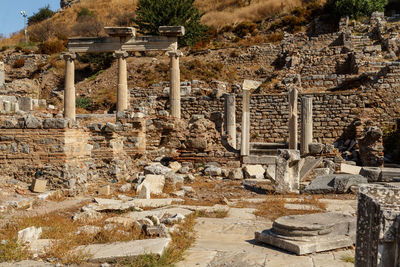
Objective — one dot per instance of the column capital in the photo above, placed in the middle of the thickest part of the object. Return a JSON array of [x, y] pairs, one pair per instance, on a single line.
[[174, 53], [68, 56], [121, 54]]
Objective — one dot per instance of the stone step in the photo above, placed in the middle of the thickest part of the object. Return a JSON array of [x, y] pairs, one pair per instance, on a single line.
[[263, 160], [259, 145], [262, 152]]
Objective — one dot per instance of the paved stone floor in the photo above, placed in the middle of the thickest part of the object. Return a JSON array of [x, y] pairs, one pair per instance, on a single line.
[[230, 242]]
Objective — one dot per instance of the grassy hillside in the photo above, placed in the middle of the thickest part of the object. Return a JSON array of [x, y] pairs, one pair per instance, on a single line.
[[218, 14]]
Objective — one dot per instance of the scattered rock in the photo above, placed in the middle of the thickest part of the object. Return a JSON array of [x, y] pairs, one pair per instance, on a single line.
[[156, 169], [373, 174], [155, 183], [30, 234], [236, 174], [87, 216], [125, 188], [213, 171], [315, 148]]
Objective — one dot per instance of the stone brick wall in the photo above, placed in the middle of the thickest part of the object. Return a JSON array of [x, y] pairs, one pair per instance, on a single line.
[[69, 156]]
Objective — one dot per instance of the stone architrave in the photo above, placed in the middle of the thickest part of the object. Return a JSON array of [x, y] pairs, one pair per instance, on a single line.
[[306, 124], [122, 91], [2, 74], [69, 88], [287, 174], [230, 118], [175, 83], [293, 116]]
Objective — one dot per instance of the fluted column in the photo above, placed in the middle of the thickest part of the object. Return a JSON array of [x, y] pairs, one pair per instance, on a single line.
[[69, 87], [293, 126], [230, 118], [306, 123], [175, 84], [122, 90]]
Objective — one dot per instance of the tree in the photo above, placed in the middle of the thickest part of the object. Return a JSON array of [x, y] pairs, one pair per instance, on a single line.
[[154, 13], [43, 14], [355, 8]]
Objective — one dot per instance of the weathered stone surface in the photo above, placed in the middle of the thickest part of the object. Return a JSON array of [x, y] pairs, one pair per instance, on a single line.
[[334, 183], [253, 172], [373, 174], [304, 234], [88, 230], [378, 215], [31, 122], [125, 188], [144, 192], [155, 183], [175, 166], [155, 203], [87, 216], [55, 123], [39, 185], [103, 204], [118, 250]]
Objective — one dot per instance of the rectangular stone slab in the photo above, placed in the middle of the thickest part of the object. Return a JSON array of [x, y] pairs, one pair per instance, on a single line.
[[118, 250], [322, 243]]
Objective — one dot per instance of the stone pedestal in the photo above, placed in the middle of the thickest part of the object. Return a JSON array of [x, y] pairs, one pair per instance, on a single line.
[[69, 88], [378, 217], [230, 118], [122, 91], [293, 94], [306, 124], [287, 176], [305, 234], [175, 84], [245, 145], [2, 74]]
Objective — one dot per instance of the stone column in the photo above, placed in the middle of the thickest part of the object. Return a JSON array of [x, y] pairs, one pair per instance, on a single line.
[[245, 146], [175, 84], [306, 123], [2, 75], [293, 93], [69, 88], [122, 90], [230, 118]]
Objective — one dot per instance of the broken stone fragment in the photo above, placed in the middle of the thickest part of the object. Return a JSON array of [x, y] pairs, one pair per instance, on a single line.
[[30, 234], [213, 171], [157, 169], [155, 183], [31, 122], [144, 192], [88, 230], [373, 174], [58, 123], [87, 216], [125, 188], [253, 172], [236, 174], [334, 183], [315, 148], [39, 185], [176, 218], [175, 166]]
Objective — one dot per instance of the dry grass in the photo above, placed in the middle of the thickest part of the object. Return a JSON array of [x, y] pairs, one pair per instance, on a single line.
[[182, 239], [219, 214], [348, 258], [59, 227], [274, 206]]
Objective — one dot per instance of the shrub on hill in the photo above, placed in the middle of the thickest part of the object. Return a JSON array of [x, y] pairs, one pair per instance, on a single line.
[[44, 13], [355, 8], [154, 13]]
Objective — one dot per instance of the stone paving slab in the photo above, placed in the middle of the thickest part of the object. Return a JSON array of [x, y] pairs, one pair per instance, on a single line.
[[108, 252]]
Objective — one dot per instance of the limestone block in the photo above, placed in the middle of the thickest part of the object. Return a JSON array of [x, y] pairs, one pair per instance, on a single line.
[[270, 172], [25, 103], [125, 188], [213, 171], [347, 168], [253, 172], [87, 216], [288, 166], [175, 166], [157, 169], [88, 230], [315, 148], [29, 234], [39, 185], [154, 182], [334, 183]]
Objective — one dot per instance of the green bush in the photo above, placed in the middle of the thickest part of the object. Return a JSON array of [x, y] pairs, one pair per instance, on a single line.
[[154, 13], [355, 8], [44, 13], [83, 102], [85, 12]]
